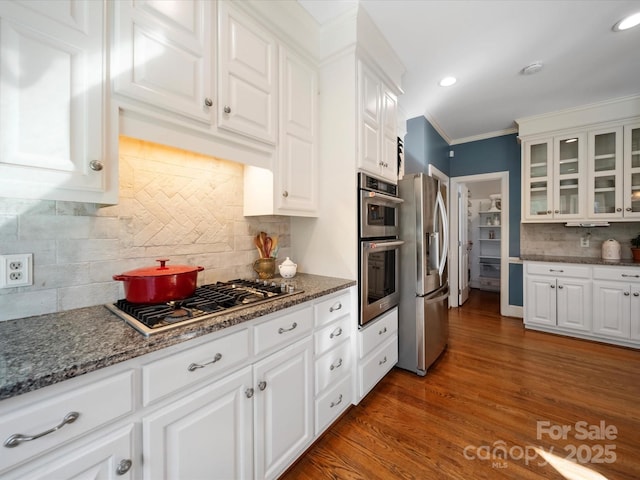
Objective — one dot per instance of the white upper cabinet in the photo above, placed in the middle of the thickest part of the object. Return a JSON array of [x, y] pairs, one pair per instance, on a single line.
[[52, 139], [247, 58], [631, 195], [377, 123], [605, 174], [163, 55]]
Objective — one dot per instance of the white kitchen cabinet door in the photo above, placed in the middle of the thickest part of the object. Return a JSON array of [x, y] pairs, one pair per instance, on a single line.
[[574, 303], [632, 171], [537, 189], [369, 95], [247, 97], [605, 199], [283, 408], [611, 309], [107, 457], [208, 433], [296, 178], [52, 143], [569, 176], [163, 55], [540, 304], [389, 135], [635, 312]]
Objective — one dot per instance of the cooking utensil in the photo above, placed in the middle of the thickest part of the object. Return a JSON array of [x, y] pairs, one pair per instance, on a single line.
[[159, 284], [268, 242]]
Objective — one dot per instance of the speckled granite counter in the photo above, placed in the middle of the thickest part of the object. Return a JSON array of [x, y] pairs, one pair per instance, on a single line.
[[47, 349], [583, 260]]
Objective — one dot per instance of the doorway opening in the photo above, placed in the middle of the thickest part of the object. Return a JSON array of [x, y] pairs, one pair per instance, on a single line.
[[479, 247]]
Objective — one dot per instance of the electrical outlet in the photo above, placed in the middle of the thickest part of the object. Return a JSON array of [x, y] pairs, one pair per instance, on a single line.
[[16, 270], [584, 241]]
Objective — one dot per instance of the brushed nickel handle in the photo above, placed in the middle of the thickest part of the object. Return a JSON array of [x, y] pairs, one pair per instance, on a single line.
[[384, 330], [628, 209], [283, 330], [335, 307], [626, 294], [559, 271], [227, 109], [336, 333], [96, 165], [383, 361], [560, 287], [208, 102], [618, 209], [548, 211], [249, 392], [195, 366], [636, 294], [123, 467], [17, 438], [552, 286], [336, 365], [285, 194], [625, 275], [337, 402], [556, 211], [262, 385]]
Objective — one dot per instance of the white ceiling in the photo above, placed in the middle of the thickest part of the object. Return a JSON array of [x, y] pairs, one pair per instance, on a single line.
[[485, 44]]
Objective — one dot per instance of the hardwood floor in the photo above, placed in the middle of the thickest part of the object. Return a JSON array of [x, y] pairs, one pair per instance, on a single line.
[[492, 387]]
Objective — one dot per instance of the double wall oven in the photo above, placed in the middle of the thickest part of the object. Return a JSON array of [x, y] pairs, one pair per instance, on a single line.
[[379, 262]]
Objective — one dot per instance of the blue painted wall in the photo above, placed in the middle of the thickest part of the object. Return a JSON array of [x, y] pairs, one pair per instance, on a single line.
[[423, 146]]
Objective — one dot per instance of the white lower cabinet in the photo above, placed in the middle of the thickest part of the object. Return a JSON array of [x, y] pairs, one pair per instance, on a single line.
[[208, 431], [598, 302]]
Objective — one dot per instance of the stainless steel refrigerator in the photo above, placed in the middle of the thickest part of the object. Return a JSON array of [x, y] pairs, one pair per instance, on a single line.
[[424, 287]]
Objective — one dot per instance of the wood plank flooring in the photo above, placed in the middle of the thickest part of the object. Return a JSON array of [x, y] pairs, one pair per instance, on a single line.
[[490, 388]]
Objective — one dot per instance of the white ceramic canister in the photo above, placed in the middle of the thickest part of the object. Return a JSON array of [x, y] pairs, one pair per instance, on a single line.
[[611, 249], [287, 268]]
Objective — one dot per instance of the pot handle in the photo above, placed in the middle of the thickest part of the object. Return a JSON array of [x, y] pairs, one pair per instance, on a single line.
[[121, 278], [200, 268]]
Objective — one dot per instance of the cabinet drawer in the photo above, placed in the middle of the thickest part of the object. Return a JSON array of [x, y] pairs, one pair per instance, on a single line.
[[332, 403], [377, 366], [559, 270], [96, 403], [621, 274], [182, 369], [333, 365], [282, 330], [374, 334], [332, 335], [332, 308]]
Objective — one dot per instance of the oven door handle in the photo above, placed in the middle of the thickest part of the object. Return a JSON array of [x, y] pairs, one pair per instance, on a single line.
[[383, 196], [373, 245]]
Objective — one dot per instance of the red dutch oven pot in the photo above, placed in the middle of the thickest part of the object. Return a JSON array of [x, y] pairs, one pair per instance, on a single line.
[[159, 284]]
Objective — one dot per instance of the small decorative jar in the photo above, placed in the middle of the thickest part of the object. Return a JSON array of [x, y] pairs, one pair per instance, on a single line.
[[265, 267], [288, 268]]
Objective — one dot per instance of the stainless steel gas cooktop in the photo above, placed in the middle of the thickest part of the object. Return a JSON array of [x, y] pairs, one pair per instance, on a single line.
[[208, 301]]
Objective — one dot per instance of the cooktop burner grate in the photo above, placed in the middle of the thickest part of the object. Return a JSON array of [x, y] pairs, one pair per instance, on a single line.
[[206, 302]]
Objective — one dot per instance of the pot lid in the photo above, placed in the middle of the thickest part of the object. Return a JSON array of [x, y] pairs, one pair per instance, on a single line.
[[161, 270], [287, 263]]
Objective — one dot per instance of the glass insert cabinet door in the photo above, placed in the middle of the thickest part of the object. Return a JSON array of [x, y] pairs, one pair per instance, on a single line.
[[632, 171], [569, 171], [605, 173], [538, 184]]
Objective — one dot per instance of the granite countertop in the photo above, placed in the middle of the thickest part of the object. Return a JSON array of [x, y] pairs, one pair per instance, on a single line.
[[626, 262], [39, 351]]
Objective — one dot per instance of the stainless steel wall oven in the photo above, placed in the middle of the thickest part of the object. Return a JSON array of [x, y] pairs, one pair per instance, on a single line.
[[379, 261]]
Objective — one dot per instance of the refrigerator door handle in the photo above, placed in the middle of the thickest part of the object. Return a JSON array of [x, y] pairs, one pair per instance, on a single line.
[[439, 298], [445, 228]]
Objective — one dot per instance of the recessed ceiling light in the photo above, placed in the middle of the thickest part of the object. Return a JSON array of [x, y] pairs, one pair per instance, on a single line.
[[627, 22], [532, 68], [448, 81]]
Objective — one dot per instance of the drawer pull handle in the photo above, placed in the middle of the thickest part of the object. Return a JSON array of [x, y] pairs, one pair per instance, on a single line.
[[195, 366], [336, 333], [384, 330], [337, 402], [262, 385], [559, 271], [630, 276], [335, 307], [336, 365], [17, 438], [383, 361], [283, 330], [123, 467]]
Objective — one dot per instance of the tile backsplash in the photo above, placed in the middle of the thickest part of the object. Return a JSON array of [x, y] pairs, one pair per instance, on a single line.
[[556, 239], [173, 204]]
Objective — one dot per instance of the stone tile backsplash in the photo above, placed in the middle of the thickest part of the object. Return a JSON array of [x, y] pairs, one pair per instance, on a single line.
[[173, 204], [556, 239]]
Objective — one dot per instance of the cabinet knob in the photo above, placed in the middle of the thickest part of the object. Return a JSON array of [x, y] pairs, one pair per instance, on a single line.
[[552, 286], [618, 209], [123, 467], [628, 209], [208, 102], [626, 294], [249, 392], [556, 211], [636, 294], [262, 385], [285, 194], [549, 211], [96, 165], [560, 287], [227, 109]]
